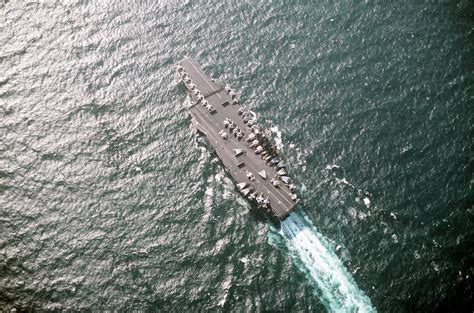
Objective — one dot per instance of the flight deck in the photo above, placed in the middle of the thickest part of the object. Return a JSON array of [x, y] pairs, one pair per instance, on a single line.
[[244, 147]]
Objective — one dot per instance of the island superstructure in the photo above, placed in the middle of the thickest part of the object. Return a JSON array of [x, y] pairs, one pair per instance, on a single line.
[[244, 147]]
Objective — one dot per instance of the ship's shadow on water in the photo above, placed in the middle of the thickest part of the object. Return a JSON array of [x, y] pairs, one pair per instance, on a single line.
[[258, 214], [314, 255]]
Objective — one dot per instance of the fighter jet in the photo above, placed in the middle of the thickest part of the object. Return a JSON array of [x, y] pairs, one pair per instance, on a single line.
[[282, 172], [242, 185], [246, 191], [238, 152], [252, 196]]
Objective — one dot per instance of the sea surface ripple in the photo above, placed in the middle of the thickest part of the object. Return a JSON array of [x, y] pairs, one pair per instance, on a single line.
[[110, 200]]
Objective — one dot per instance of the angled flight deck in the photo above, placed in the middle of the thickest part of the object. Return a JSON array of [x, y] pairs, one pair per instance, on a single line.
[[239, 142]]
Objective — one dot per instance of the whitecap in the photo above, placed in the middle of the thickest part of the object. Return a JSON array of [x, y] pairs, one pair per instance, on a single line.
[[303, 188], [244, 260], [332, 166], [367, 202], [278, 141], [208, 195], [395, 238]]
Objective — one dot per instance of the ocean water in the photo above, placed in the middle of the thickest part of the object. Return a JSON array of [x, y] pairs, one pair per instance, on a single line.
[[110, 199]]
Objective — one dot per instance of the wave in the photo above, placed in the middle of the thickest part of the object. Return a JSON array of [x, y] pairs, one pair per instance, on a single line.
[[314, 256]]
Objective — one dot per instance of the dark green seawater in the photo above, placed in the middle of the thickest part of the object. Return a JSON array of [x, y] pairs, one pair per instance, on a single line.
[[110, 200]]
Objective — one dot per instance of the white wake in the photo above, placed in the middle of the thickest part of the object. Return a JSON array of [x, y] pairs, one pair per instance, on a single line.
[[313, 254]]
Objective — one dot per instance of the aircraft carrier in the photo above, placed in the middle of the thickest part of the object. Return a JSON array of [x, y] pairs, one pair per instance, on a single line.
[[245, 148]]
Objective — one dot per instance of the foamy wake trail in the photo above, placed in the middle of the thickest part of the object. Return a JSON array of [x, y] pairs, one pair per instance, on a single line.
[[313, 254]]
